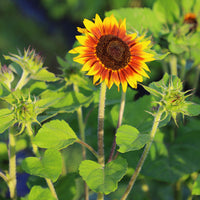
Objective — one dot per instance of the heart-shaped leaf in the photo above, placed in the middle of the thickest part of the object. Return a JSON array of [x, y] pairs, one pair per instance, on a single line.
[[103, 179], [38, 192], [55, 134], [129, 139], [6, 119], [196, 187], [50, 166]]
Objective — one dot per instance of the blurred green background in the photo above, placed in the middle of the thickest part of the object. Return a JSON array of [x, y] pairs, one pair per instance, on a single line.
[[49, 26]]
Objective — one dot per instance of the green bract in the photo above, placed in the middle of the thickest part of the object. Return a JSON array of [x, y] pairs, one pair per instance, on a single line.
[[168, 94]]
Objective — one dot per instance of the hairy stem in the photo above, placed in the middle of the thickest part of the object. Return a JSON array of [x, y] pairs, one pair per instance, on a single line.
[[183, 68], [101, 158], [144, 155], [196, 79], [173, 65], [12, 182], [37, 153], [121, 112], [4, 177], [82, 135]]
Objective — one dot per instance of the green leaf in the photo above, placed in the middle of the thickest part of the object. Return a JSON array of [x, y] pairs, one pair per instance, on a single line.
[[171, 162], [61, 102], [66, 186], [4, 90], [129, 139], [44, 75], [103, 179], [140, 19], [50, 166], [196, 7], [187, 5], [7, 119], [37, 88], [40, 193], [55, 134], [166, 11], [196, 187], [191, 109]]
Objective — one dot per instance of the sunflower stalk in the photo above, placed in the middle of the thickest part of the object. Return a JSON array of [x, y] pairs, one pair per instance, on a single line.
[[144, 154], [82, 135], [37, 153], [101, 158], [173, 65], [196, 79], [12, 181], [121, 112]]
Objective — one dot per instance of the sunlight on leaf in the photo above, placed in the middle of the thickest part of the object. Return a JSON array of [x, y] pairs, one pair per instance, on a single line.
[[101, 179], [50, 166], [37, 192], [196, 187], [55, 134], [6, 119], [129, 139]]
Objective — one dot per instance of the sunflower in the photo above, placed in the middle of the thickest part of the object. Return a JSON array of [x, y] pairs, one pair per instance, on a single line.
[[108, 53], [190, 18]]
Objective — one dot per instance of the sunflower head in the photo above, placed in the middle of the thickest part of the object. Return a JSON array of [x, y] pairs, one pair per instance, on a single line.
[[191, 19], [109, 54]]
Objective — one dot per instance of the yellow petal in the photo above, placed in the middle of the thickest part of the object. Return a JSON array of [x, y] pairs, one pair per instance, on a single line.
[[144, 66], [89, 25], [81, 30], [73, 51], [79, 59], [96, 78], [122, 29], [82, 39], [133, 35], [99, 23], [132, 81], [95, 68]]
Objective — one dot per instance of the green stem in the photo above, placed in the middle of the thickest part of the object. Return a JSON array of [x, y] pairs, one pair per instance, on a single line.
[[100, 196], [173, 65], [23, 80], [183, 69], [37, 153], [177, 190], [101, 159], [12, 182], [30, 133], [196, 80], [4, 177], [144, 155], [51, 187], [82, 135], [121, 112], [88, 147]]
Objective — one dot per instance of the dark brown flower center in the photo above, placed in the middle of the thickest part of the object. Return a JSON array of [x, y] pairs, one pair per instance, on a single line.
[[113, 52]]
